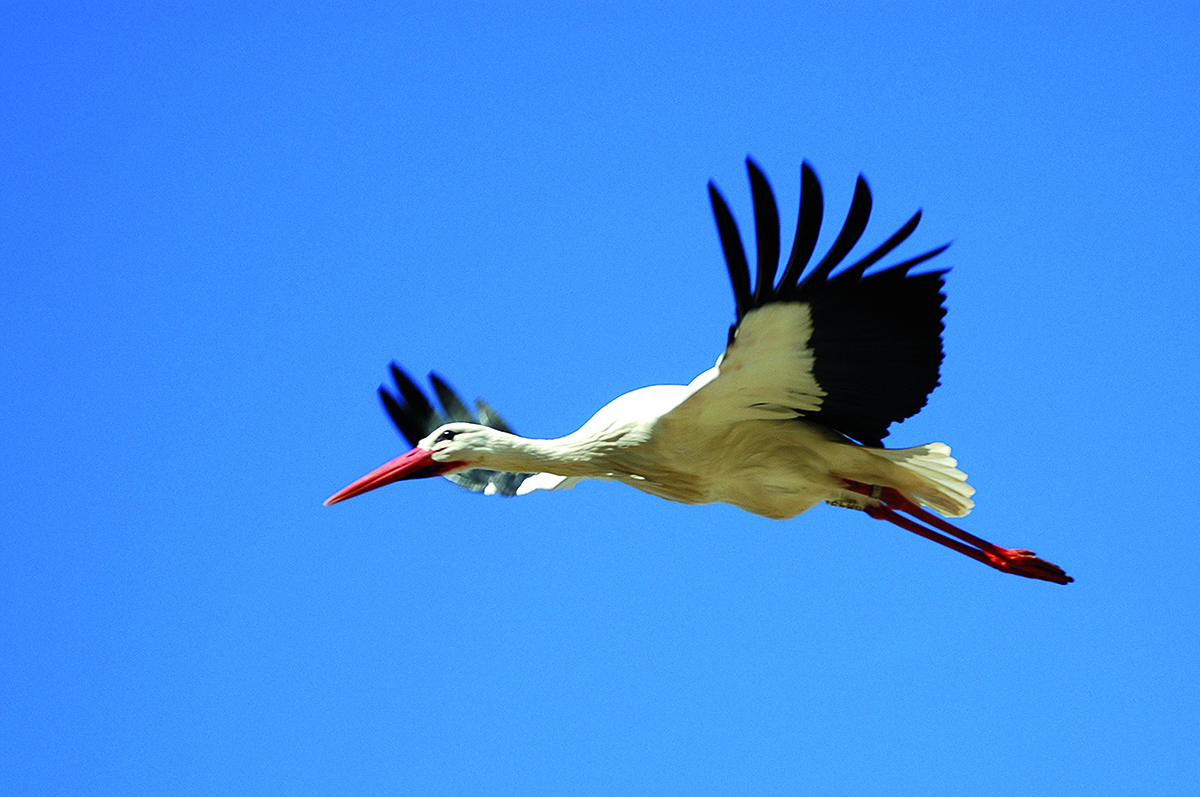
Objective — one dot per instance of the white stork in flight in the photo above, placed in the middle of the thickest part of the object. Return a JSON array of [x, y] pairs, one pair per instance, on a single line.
[[794, 412]]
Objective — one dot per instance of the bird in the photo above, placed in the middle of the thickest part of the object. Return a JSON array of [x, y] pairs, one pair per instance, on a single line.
[[817, 366]]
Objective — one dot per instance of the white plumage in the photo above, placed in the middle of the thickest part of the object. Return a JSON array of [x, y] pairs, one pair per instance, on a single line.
[[792, 415]]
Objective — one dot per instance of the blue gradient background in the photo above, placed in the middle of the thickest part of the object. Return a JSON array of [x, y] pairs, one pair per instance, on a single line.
[[220, 224]]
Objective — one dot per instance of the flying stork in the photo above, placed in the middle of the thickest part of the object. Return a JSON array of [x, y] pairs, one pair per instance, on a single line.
[[794, 412]]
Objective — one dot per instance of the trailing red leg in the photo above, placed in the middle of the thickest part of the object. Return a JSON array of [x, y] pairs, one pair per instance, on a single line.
[[1017, 561]]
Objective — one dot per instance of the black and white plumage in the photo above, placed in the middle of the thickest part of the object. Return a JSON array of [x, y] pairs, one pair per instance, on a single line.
[[416, 418], [817, 367], [875, 339]]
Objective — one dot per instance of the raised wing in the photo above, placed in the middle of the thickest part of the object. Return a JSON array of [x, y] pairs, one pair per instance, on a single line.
[[852, 351], [416, 418]]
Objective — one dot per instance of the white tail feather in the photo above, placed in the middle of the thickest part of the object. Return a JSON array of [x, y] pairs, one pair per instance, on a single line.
[[940, 485]]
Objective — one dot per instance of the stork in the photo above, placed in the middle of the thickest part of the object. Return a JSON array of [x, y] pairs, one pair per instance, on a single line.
[[793, 413]]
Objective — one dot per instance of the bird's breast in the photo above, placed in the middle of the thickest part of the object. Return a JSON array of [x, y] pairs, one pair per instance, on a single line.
[[776, 469]]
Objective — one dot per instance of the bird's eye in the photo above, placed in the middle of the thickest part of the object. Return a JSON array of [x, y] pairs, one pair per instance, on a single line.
[[446, 435]]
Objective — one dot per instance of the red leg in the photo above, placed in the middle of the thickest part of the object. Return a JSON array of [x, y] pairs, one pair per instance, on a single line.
[[1017, 561]]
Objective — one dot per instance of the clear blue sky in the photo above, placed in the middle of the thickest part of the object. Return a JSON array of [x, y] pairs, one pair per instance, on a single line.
[[220, 225]]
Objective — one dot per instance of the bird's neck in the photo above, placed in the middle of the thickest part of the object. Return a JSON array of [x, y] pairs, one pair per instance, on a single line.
[[573, 455]]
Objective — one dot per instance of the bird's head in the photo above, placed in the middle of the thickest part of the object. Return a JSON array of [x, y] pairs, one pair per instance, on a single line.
[[461, 443], [455, 446]]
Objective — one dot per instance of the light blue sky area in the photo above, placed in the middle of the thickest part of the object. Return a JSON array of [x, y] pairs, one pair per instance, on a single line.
[[220, 225]]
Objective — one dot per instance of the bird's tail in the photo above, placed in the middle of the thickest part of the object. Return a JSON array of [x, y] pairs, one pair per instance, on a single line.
[[938, 483]]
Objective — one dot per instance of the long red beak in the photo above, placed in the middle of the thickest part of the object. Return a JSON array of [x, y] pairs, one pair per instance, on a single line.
[[416, 464]]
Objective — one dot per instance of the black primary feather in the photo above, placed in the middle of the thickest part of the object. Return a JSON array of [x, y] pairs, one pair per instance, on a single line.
[[735, 255], [416, 418], [766, 231], [876, 338]]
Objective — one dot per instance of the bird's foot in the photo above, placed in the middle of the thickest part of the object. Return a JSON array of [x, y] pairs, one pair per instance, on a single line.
[[887, 504], [1021, 562]]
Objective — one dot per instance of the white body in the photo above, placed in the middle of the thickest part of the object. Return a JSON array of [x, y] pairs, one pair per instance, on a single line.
[[812, 365], [731, 436]]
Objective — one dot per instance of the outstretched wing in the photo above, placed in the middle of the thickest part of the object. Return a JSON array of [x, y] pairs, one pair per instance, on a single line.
[[852, 351], [416, 418]]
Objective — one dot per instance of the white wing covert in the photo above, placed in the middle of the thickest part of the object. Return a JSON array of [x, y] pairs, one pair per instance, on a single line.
[[854, 352]]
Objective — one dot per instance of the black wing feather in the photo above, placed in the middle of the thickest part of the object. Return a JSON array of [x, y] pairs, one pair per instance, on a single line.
[[456, 408], [412, 413], [766, 230], [876, 338], [735, 255], [416, 418], [489, 417], [881, 251], [852, 230], [808, 226]]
